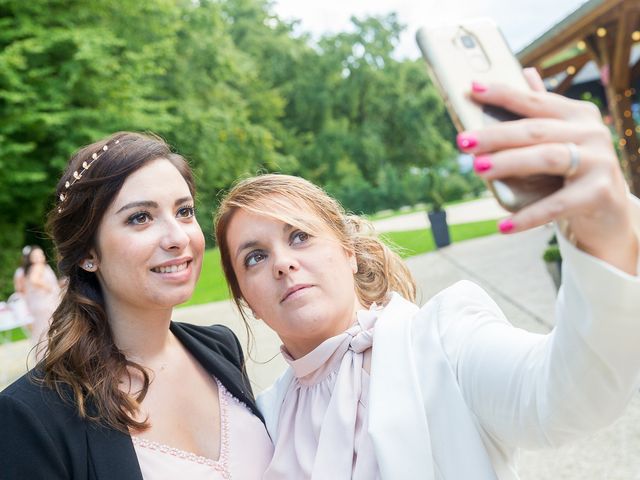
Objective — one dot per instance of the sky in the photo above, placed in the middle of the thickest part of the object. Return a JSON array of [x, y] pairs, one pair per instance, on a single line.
[[522, 21]]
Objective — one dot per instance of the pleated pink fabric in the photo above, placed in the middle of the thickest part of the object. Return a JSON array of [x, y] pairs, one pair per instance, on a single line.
[[322, 429]]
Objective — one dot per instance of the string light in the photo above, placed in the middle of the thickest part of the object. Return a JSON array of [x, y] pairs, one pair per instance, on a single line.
[[571, 70], [582, 45], [627, 113], [601, 32], [635, 36], [628, 132], [622, 142]]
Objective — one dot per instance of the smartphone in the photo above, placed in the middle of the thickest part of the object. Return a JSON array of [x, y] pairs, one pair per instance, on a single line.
[[476, 50]]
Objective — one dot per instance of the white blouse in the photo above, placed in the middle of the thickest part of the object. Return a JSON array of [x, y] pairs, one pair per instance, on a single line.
[[323, 424]]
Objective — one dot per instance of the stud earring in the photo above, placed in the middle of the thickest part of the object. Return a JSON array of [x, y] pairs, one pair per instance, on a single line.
[[88, 265]]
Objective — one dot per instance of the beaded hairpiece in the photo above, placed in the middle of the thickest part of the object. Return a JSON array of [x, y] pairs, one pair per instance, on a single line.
[[77, 175]]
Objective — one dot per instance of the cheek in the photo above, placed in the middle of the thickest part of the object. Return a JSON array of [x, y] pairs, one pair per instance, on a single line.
[[255, 292], [197, 242]]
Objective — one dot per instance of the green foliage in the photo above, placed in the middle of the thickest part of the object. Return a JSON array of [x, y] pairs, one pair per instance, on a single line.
[[229, 85], [552, 254]]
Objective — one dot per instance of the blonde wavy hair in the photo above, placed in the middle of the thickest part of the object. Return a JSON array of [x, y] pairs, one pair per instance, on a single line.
[[301, 204]]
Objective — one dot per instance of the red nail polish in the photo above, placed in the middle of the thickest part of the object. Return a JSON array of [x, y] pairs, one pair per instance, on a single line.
[[506, 225], [466, 141], [478, 87], [482, 163]]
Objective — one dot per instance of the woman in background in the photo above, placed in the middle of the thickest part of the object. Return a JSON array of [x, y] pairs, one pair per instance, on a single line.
[[41, 294]]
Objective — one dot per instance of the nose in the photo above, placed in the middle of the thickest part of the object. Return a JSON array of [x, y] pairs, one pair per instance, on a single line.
[[284, 263], [175, 236]]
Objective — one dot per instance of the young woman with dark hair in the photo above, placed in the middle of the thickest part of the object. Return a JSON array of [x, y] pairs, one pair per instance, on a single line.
[[122, 391]]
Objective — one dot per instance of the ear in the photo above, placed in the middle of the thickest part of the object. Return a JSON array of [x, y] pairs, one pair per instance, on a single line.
[[90, 262]]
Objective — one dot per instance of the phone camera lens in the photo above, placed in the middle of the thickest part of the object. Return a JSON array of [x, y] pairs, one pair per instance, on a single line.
[[467, 41]]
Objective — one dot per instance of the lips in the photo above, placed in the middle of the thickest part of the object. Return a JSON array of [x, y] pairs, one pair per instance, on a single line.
[[291, 291]]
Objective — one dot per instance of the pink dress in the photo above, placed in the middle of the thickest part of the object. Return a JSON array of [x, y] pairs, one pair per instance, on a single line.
[[42, 303], [323, 422], [245, 449]]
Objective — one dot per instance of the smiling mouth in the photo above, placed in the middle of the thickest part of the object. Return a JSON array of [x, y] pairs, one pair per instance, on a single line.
[[171, 268]]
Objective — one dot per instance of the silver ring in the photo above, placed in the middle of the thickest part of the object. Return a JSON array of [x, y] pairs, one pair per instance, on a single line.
[[574, 159]]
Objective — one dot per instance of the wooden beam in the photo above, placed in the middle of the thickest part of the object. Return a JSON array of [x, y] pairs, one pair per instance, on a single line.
[[572, 32], [578, 62], [568, 80], [627, 22], [564, 85]]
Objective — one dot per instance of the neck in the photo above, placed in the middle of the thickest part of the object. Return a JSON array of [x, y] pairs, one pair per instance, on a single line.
[[299, 347], [142, 335]]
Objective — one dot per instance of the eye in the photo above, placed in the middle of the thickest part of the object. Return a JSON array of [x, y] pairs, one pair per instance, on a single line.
[[253, 258], [186, 212], [299, 236], [139, 218]]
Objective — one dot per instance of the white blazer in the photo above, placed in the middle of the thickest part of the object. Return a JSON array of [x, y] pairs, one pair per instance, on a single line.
[[455, 390]]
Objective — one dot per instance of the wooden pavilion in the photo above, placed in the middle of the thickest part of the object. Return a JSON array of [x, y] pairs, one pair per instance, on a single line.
[[607, 33]]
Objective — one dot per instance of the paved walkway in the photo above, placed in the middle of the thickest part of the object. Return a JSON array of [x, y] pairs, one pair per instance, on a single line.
[[511, 270], [473, 211]]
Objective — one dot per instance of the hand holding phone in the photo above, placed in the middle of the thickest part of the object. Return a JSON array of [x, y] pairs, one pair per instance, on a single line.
[[475, 50]]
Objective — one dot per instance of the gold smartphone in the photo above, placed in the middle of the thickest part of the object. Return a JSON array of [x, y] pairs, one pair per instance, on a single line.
[[475, 50]]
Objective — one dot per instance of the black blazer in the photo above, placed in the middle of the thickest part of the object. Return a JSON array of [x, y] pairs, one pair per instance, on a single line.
[[42, 437]]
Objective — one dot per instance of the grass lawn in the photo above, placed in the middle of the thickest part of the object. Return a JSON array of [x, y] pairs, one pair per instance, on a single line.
[[414, 242], [13, 335], [212, 287]]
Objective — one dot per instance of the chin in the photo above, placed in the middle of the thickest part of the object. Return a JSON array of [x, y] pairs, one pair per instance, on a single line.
[[175, 298]]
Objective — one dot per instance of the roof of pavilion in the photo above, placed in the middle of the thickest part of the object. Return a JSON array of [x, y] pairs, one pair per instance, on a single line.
[[567, 48]]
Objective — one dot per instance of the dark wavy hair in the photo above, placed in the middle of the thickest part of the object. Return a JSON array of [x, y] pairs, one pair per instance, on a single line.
[[81, 361]]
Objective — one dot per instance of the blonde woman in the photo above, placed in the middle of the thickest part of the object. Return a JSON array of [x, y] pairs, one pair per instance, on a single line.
[[380, 388]]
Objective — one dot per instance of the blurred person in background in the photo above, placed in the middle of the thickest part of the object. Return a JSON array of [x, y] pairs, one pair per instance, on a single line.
[[41, 292]]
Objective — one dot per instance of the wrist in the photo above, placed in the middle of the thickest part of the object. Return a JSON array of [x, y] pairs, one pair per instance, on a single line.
[[621, 251]]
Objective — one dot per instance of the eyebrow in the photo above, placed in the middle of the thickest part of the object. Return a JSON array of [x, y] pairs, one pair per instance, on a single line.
[[253, 243], [150, 204]]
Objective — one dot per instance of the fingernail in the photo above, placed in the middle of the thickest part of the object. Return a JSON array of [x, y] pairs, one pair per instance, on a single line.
[[466, 141], [506, 225], [478, 87], [482, 163]]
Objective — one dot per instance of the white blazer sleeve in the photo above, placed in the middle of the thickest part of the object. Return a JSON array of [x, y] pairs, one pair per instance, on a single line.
[[539, 390]]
